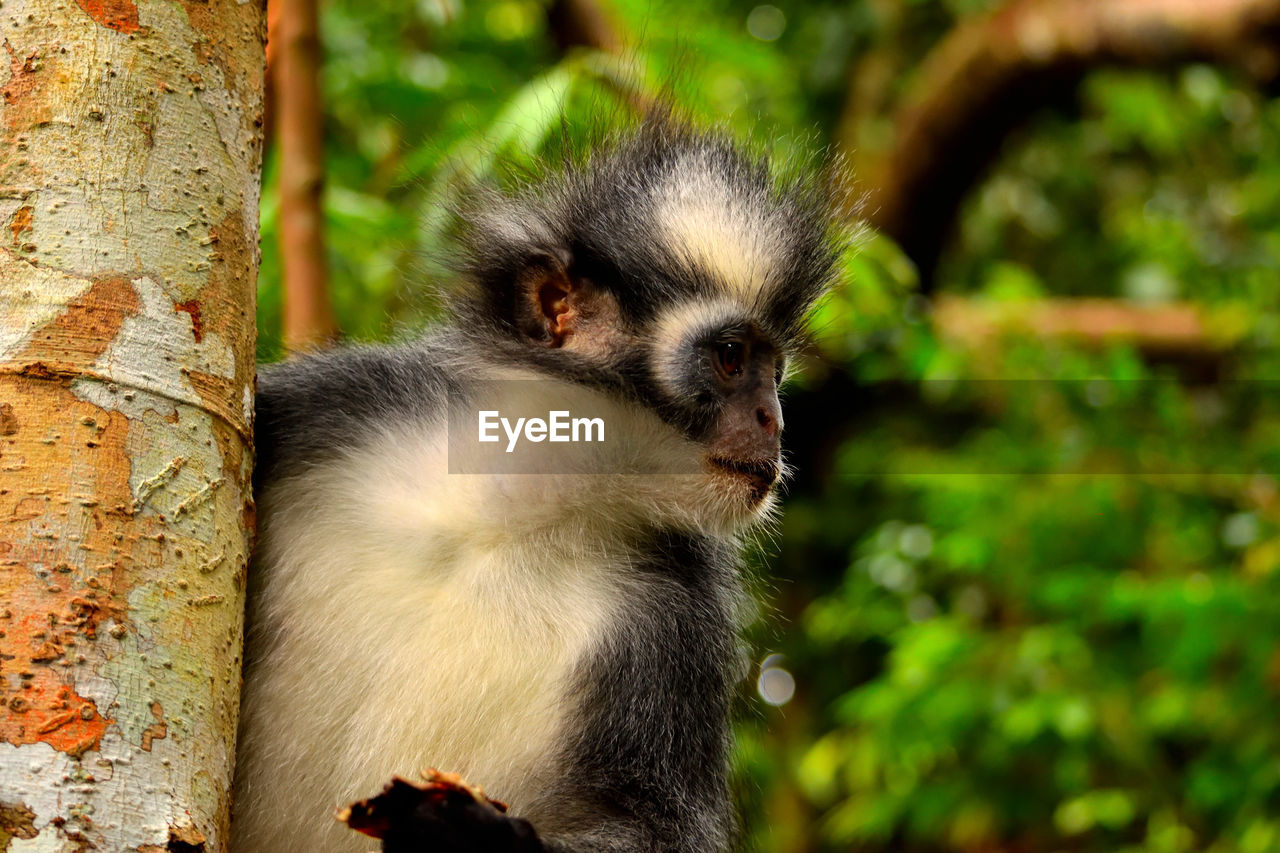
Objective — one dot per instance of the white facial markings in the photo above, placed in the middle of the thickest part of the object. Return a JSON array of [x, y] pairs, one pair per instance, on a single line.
[[718, 231], [675, 325]]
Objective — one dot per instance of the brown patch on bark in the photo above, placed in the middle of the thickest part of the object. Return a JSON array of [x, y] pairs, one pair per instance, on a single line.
[[49, 711], [21, 71], [231, 295], [148, 128], [85, 329], [225, 307], [204, 52], [16, 821], [29, 106], [223, 26], [157, 730], [185, 839], [207, 385], [249, 517], [8, 421], [118, 15], [47, 652], [55, 615], [20, 223], [89, 614], [192, 307], [38, 370]]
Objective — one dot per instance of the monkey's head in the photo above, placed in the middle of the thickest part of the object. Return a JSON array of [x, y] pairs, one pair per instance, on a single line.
[[672, 268]]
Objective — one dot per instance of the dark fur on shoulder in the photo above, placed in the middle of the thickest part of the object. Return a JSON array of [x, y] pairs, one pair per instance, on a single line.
[[313, 407]]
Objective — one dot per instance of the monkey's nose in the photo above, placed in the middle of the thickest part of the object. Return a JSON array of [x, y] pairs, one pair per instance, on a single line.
[[770, 422]]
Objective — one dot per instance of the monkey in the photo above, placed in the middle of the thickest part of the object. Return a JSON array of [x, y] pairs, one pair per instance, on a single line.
[[567, 638]]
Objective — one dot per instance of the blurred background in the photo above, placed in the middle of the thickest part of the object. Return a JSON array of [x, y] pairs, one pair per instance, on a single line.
[[1024, 596]]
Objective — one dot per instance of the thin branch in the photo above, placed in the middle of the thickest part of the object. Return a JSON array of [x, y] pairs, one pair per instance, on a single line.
[[1173, 329]]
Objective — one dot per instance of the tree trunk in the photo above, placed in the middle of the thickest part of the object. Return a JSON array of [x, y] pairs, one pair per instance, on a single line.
[[129, 195]]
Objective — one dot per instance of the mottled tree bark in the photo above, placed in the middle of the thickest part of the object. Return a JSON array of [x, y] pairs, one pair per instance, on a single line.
[[299, 124], [129, 197]]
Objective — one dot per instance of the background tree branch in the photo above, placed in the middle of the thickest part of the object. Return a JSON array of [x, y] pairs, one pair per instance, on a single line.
[[990, 74], [298, 116]]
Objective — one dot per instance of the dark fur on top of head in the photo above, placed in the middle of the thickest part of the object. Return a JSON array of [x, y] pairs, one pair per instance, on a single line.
[[612, 219]]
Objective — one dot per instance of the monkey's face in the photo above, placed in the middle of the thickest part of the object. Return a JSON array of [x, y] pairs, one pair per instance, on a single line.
[[717, 371], [675, 271], [744, 444]]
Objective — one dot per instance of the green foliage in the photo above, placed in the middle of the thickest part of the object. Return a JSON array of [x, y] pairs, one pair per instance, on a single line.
[[1029, 591], [1164, 187], [1056, 616]]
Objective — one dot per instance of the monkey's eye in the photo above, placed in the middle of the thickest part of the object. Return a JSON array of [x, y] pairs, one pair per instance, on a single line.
[[730, 358]]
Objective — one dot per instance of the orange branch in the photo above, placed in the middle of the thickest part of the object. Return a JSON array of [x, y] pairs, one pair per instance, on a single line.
[[299, 121], [1174, 329]]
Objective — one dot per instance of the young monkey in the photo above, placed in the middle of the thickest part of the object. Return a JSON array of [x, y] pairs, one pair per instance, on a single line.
[[566, 639]]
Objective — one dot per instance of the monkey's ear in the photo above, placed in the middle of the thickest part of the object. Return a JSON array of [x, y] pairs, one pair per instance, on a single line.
[[555, 307]]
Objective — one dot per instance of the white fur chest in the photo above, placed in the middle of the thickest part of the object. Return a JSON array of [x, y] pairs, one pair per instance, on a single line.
[[417, 626]]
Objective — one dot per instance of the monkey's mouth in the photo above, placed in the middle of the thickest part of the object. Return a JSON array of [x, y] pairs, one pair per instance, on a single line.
[[761, 474]]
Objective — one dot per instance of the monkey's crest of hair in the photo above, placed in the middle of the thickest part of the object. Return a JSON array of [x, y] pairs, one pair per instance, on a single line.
[[658, 215]]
